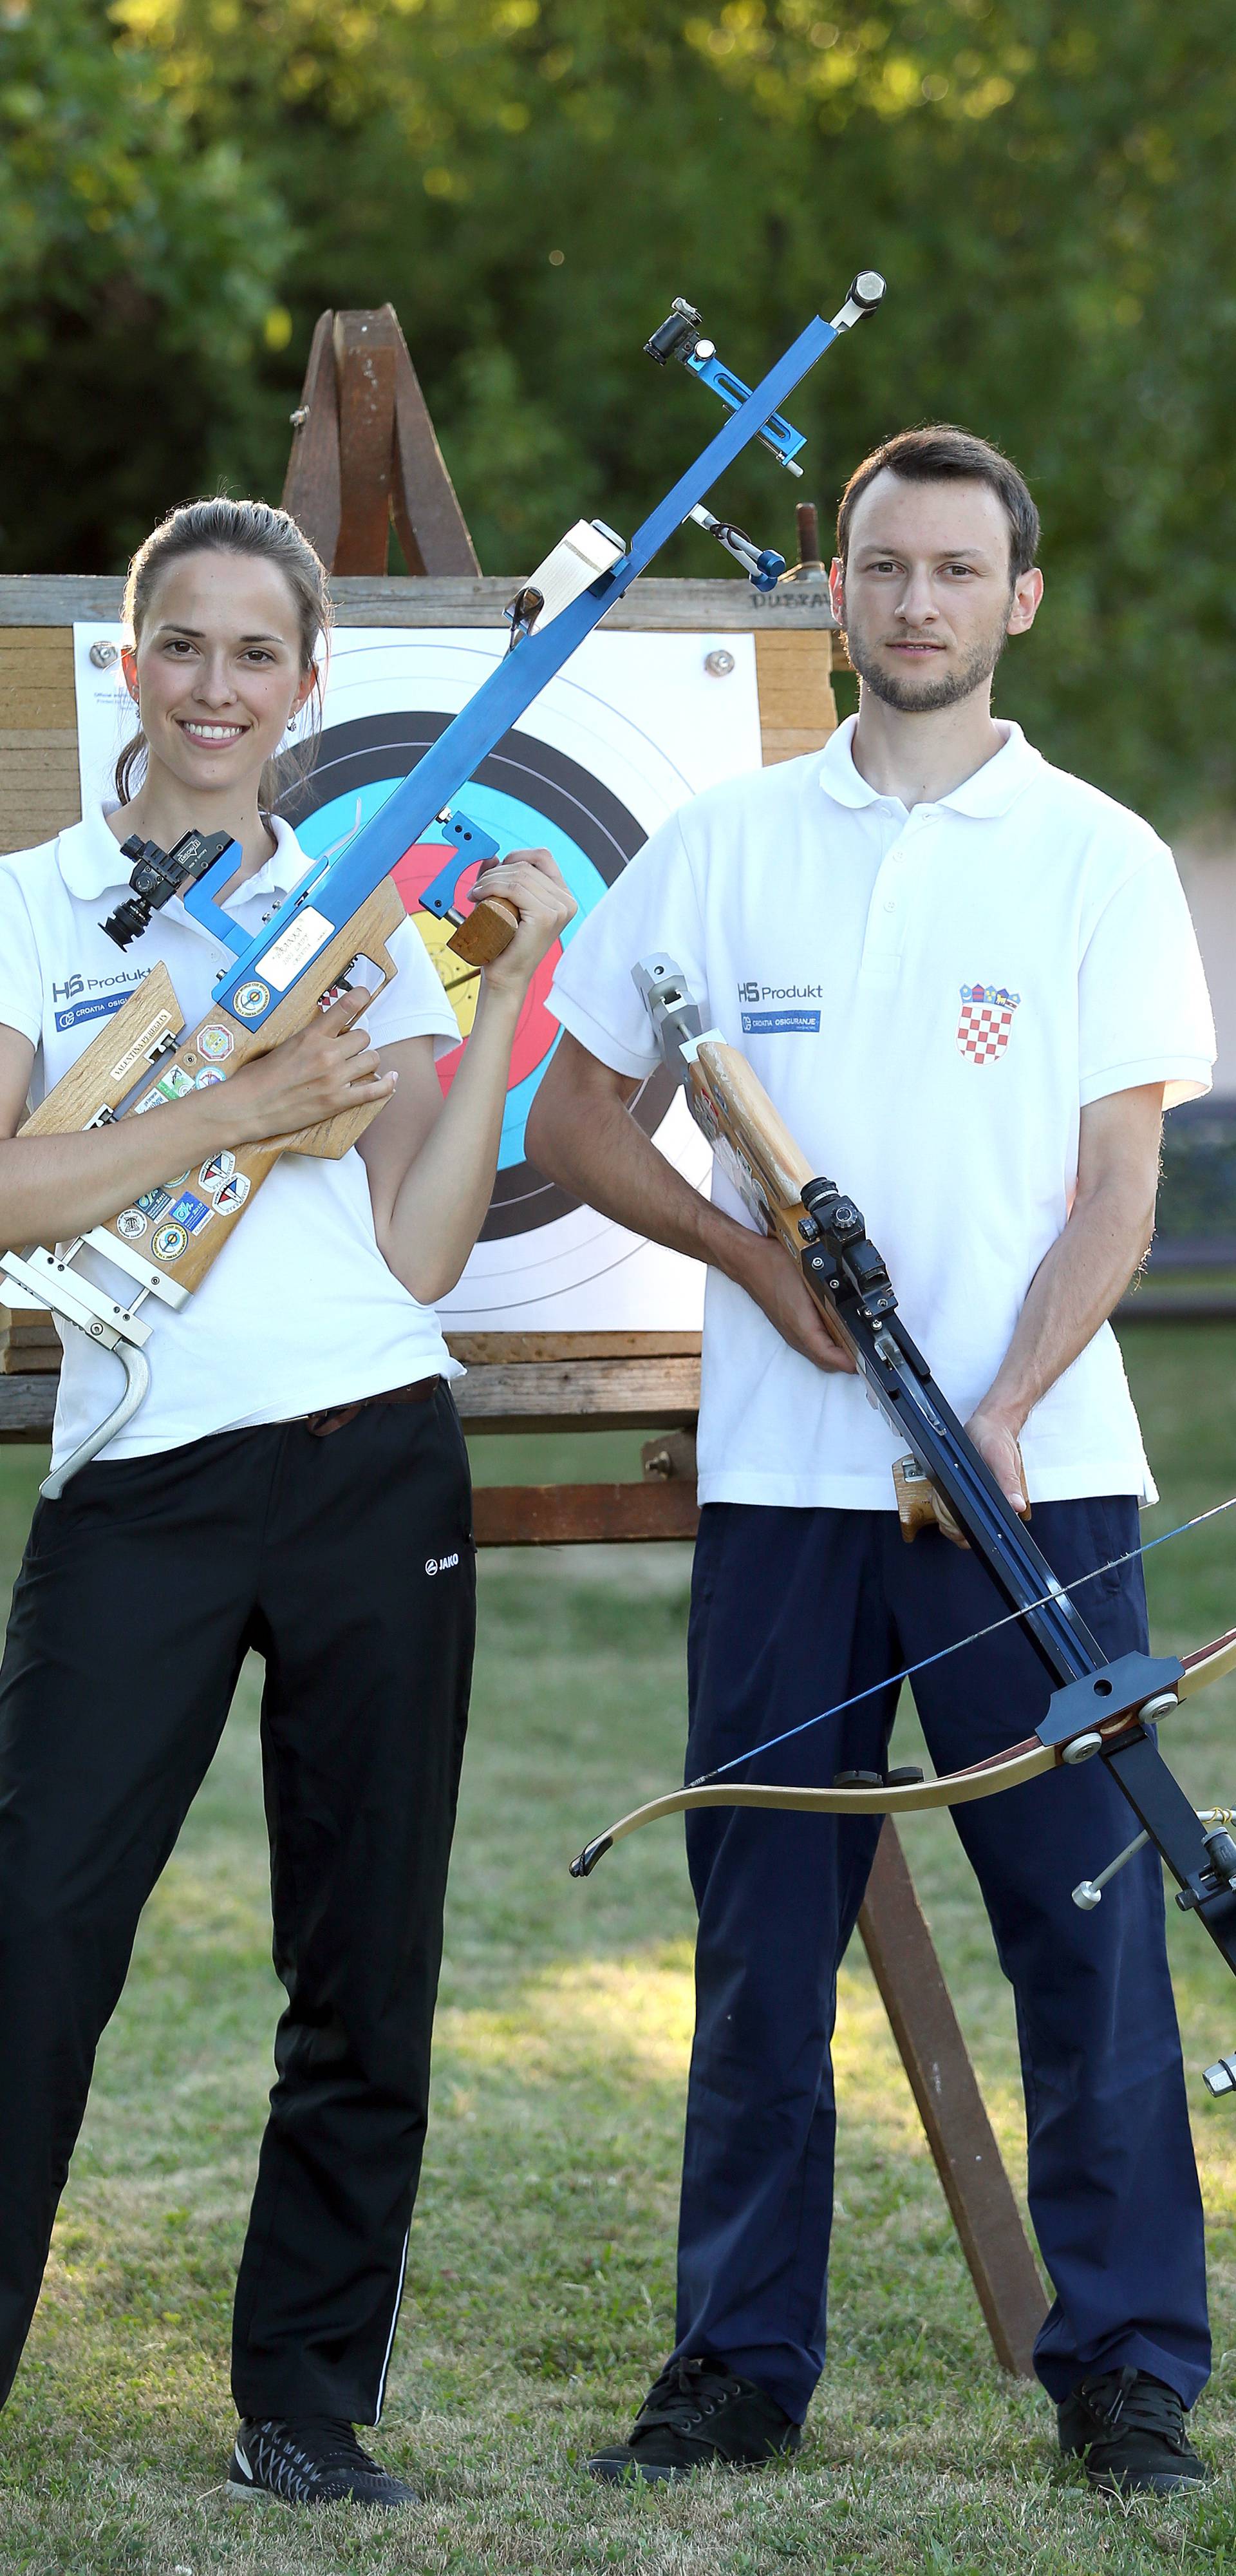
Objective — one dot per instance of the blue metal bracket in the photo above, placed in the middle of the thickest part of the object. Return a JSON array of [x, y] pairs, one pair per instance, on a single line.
[[199, 899], [681, 336], [467, 844], [779, 436]]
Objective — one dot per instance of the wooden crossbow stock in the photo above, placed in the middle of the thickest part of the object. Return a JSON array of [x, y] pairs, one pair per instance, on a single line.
[[1098, 1706]]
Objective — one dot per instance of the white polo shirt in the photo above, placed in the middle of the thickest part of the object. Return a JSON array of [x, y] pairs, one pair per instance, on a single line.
[[300, 1311], [931, 998]]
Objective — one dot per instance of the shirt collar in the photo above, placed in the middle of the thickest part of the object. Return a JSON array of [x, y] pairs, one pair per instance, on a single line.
[[92, 862], [991, 790]]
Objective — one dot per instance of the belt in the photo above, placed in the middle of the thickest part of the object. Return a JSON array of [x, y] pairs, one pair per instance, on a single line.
[[335, 1416]]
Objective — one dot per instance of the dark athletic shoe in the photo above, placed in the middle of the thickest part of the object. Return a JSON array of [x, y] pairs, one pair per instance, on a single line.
[[1130, 2431], [312, 2461], [696, 2413]]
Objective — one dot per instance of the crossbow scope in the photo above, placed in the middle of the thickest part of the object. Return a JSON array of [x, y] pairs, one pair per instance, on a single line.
[[157, 876]]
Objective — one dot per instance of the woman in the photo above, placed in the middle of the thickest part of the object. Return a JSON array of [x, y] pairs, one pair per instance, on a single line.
[[295, 1482]]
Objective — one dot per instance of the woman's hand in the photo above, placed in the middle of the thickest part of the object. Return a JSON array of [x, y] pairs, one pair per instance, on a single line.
[[326, 1068], [534, 887]]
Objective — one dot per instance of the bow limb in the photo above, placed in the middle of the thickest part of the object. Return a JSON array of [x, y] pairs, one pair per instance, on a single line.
[[957, 1788], [1207, 1664], [1001, 1771]]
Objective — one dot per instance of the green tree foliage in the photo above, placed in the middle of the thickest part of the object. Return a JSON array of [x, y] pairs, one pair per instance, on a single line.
[[1044, 183], [138, 263]]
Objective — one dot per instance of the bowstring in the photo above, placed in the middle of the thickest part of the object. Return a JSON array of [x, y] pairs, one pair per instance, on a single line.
[[908, 1671]]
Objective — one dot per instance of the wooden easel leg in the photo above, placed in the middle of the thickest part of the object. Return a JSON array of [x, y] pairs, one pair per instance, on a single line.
[[959, 2133]]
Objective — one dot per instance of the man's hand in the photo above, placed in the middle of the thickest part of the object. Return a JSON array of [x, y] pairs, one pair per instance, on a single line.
[[996, 1443], [778, 1288], [328, 1067]]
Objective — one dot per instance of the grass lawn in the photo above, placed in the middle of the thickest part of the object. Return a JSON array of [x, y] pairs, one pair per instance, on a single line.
[[540, 2283]]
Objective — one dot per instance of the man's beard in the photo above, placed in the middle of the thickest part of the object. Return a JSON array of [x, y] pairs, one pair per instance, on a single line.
[[910, 698]]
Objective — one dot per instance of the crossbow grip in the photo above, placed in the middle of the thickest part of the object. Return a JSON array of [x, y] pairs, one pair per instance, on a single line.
[[919, 1506], [486, 932]]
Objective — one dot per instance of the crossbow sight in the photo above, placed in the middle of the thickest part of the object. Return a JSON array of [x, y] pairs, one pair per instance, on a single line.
[[160, 874], [681, 336]]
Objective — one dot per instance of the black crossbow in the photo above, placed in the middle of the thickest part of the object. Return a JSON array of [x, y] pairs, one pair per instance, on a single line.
[[1097, 1707]]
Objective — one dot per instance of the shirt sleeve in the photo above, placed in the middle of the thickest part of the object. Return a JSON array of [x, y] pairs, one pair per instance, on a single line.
[[21, 975], [415, 1005], [1144, 1011], [652, 910]]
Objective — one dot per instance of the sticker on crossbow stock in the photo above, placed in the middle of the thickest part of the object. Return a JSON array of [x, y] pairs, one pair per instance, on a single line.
[[209, 1074], [249, 1000], [215, 1044], [191, 1213], [131, 1223], [143, 1046], [171, 1085], [214, 1173], [232, 1195], [169, 1243], [295, 946]]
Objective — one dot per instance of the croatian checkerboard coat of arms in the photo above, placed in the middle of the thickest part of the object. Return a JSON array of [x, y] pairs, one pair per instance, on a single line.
[[986, 1019]]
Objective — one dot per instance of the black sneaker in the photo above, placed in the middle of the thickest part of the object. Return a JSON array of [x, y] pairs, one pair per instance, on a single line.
[[311, 2461], [1130, 2431], [697, 2412]]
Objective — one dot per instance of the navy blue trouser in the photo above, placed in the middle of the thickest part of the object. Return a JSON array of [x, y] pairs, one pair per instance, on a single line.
[[790, 1611]]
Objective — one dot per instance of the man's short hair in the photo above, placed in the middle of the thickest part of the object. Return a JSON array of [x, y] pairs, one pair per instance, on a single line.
[[942, 453]]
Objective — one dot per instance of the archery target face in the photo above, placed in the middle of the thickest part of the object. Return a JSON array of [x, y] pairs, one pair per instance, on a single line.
[[632, 727], [527, 795]]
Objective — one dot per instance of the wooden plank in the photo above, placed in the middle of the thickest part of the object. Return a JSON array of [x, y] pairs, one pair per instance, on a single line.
[[311, 486], [484, 1353], [36, 678], [906, 1970], [429, 523], [27, 1405], [581, 1515], [39, 792], [484, 1350], [651, 606], [601, 1395], [365, 375], [587, 1395], [797, 708]]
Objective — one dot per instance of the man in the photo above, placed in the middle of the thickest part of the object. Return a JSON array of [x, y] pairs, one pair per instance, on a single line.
[[970, 984]]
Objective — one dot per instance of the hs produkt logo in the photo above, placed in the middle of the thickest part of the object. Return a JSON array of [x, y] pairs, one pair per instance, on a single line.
[[753, 992], [75, 984]]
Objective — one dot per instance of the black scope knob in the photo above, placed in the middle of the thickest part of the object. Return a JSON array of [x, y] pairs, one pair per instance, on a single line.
[[677, 335]]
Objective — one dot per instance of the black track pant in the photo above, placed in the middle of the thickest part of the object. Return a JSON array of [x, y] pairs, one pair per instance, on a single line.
[[347, 1563]]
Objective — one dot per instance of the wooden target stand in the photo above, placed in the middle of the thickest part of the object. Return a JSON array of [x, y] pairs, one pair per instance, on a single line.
[[364, 456]]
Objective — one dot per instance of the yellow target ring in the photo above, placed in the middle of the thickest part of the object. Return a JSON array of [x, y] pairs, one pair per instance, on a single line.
[[460, 983]]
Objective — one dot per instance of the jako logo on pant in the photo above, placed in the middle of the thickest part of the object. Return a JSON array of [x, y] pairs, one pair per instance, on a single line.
[[441, 1564]]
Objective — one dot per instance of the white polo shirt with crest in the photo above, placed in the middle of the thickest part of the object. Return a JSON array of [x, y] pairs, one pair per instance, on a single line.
[[300, 1311], [931, 998]]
